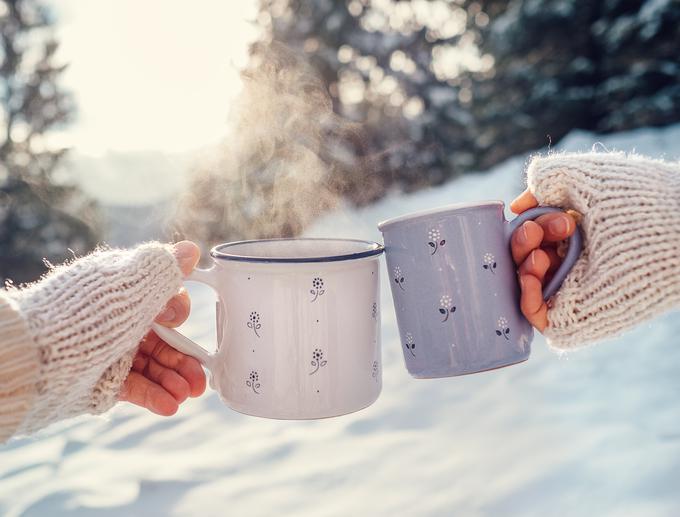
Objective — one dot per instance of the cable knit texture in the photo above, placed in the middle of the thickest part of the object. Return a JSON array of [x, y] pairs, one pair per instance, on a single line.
[[83, 322], [629, 270]]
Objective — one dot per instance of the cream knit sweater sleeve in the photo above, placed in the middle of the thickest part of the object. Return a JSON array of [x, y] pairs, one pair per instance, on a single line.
[[67, 341], [629, 270]]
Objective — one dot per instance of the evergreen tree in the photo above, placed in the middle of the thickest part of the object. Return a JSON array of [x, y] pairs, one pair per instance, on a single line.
[[40, 216], [451, 86], [560, 65]]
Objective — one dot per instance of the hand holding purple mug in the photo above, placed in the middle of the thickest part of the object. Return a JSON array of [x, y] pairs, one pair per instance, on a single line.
[[536, 252], [455, 286]]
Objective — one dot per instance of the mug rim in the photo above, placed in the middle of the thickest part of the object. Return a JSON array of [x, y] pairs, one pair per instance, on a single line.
[[373, 249], [432, 211]]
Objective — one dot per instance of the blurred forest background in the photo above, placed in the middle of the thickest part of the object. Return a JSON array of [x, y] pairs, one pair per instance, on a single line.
[[343, 103]]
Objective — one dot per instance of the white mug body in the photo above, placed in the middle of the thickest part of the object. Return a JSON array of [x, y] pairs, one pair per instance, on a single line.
[[297, 340]]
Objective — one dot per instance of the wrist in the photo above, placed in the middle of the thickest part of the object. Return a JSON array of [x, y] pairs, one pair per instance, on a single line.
[[19, 368]]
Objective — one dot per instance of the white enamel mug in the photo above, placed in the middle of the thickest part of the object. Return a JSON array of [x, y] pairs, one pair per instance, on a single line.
[[298, 326]]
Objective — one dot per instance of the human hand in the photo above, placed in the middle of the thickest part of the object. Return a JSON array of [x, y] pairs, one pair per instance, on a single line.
[[162, 377], [536, 252]]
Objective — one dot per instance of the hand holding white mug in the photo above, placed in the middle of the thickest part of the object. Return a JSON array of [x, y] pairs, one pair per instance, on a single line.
[[162, 377], [298, 326]]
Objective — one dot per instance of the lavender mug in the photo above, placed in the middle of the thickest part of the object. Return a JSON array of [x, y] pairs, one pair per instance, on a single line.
[[455, 288]]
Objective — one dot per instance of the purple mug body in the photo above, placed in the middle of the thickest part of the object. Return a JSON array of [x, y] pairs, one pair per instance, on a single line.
[[455, 288]]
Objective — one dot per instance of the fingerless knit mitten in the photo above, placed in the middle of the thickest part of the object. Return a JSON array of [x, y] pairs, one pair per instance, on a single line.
[[74, 334], [629, 270]]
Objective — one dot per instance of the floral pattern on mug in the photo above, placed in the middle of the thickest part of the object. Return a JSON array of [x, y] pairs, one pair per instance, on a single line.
[[374, 310], [374, 373], [399, 278], [489, 262], [435, 240], [446, 307], [317, 288], [253, 381], [317, 360], [410, 345], [254, 322], [503, 329]]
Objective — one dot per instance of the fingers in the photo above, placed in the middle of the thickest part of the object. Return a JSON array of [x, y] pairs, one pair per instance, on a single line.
[[168, 379], [523, 202], [556, 226], [140, 391], [176, 311], [532, 304], [186, 366], [536, 264], [187, 254], [547, 229], [524, 240]]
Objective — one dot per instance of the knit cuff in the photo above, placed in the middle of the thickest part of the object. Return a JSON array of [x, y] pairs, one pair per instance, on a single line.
[[107, 390], [19, 369]]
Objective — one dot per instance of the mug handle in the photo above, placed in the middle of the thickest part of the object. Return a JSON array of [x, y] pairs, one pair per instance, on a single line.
[[572, 255], [179, 341]]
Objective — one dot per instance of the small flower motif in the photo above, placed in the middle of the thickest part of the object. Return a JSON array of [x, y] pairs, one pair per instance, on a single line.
[[317, 288], [374, 373], [399, 278], [374, 310], [254, 322], [435, 240], [410, 345], [317, 360], [446, 307], [489, 262], [253, 381], [503, 329]]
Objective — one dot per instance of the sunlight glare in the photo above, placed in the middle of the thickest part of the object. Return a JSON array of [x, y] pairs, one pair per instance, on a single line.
[[151, 75]]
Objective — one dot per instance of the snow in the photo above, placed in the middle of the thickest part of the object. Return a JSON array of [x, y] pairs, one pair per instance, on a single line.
[[593, 433]]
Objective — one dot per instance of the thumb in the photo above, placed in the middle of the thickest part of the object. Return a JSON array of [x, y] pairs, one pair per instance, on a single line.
[[187, 254]]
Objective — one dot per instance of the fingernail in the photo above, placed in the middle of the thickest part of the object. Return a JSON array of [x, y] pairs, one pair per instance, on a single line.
[[168, 314], [559, 225], [523, 236], [521, 282]]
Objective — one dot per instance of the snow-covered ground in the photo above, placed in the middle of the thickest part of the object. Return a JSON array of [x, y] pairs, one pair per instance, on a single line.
[[593, 433]]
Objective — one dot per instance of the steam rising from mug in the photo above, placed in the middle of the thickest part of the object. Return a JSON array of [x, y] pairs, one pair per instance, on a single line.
[[288, 157]]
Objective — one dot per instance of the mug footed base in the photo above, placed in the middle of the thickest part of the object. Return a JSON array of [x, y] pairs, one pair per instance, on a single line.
[[471, 371], [320, 415]]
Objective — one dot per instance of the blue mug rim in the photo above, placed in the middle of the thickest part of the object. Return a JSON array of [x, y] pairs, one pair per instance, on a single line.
[[438, 210], [373, 249]]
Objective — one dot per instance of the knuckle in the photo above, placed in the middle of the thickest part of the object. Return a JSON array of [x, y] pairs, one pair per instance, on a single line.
[[158, 348]]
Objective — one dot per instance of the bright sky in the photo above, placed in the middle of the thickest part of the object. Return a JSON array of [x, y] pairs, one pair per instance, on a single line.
[[152, 74]]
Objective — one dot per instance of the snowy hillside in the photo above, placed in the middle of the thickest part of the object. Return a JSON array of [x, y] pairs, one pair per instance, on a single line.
[[594, 433]]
